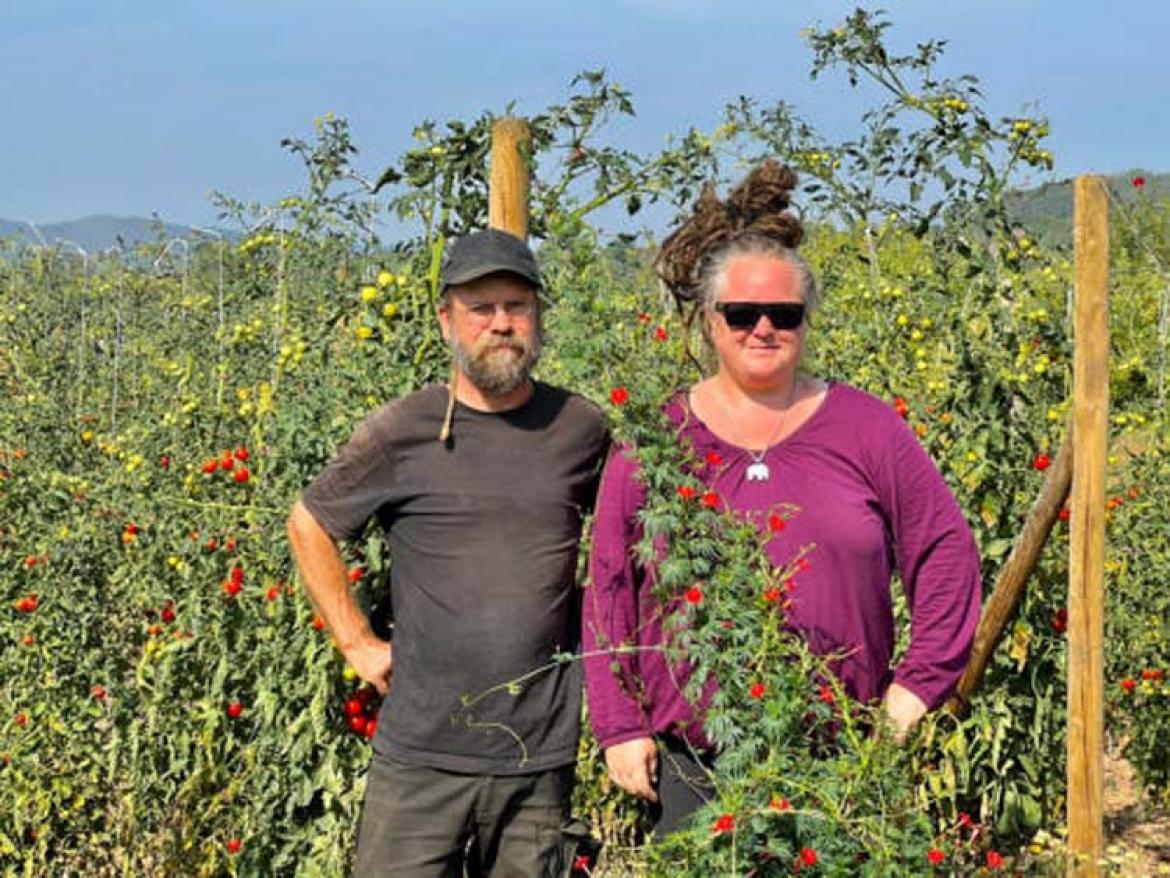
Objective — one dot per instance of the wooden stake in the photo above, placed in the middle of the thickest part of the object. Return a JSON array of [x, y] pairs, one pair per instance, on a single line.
[[507, 210], [1013, 576], [1087, 548], [508, 193]]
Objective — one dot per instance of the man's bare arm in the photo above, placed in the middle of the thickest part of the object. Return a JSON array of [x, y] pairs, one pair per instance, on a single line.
[[323, 573]]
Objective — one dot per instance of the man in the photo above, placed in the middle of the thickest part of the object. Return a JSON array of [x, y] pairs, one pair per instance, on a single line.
[[480, 487]]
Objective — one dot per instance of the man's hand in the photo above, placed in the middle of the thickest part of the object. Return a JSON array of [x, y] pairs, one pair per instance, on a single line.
[[324, 578], [903, 711], [633, 766], [373, 659]]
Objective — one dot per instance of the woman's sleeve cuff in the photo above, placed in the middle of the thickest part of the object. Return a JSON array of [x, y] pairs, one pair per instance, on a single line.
[[612, 740]]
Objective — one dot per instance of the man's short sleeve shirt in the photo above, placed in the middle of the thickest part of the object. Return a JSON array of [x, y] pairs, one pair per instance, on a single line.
[[483, 533]]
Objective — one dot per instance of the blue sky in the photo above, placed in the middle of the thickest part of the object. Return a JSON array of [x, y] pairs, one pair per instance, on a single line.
[[140, 106]]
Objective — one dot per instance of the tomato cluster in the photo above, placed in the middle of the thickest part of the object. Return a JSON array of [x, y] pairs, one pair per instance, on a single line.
[[235, 582], [1148, 675], [227, 462], [361, 712]]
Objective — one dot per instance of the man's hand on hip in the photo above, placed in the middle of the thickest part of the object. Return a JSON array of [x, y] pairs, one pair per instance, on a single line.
[[633, 766], [373, 659]]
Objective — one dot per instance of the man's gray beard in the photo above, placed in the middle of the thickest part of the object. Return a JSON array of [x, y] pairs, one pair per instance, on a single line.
[[498, 376]]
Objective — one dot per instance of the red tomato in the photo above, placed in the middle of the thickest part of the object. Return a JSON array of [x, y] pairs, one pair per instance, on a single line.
[[1060, 621]]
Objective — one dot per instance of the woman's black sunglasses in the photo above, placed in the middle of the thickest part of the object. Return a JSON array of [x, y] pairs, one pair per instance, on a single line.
[[745, 315]]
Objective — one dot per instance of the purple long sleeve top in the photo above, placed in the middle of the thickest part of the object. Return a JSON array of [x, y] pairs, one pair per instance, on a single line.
[[862, 497]]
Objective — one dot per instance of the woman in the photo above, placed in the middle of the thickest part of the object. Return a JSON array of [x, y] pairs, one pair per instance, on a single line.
[[868, 496]]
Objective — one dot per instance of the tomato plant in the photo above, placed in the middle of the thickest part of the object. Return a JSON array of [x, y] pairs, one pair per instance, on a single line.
[[175, 706]]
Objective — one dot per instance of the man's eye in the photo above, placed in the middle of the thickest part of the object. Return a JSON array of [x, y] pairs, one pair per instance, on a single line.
[[483, 310]]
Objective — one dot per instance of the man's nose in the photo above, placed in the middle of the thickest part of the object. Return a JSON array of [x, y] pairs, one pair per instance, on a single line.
[[501, 320]]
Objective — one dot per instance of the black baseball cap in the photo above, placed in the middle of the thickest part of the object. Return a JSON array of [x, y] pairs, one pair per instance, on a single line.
[[484, 252]]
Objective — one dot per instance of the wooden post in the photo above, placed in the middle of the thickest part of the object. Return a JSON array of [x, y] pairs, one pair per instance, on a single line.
[[1087, 543], [1013, 576], [508, 187]]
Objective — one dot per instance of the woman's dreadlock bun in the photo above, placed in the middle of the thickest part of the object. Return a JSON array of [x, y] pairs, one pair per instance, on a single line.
[[755, 209]]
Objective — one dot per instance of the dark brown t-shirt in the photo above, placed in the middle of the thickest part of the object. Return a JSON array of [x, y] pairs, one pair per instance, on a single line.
[[483, 534]]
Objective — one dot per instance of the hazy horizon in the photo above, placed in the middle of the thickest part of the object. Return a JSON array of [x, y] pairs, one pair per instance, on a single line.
[[129, 109]]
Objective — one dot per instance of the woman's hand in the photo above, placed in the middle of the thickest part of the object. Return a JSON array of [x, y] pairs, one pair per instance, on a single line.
[[903, 710], [633, 766]]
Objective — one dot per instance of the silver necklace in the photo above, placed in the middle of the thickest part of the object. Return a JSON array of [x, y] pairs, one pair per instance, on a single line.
[[758, 471]]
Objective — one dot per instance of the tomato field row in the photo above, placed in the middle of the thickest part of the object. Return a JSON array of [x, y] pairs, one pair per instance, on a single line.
[[173, 706]]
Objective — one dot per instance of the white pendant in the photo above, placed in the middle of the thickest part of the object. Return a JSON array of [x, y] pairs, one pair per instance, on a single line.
[[758, 472]]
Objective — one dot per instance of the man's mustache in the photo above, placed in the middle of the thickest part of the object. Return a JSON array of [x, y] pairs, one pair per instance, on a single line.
[[500, 346]]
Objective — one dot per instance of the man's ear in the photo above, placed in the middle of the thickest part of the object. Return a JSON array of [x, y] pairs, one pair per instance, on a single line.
[[444, 313]]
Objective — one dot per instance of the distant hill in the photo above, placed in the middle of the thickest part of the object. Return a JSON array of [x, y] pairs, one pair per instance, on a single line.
[[94, 233], [1047, 211]]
